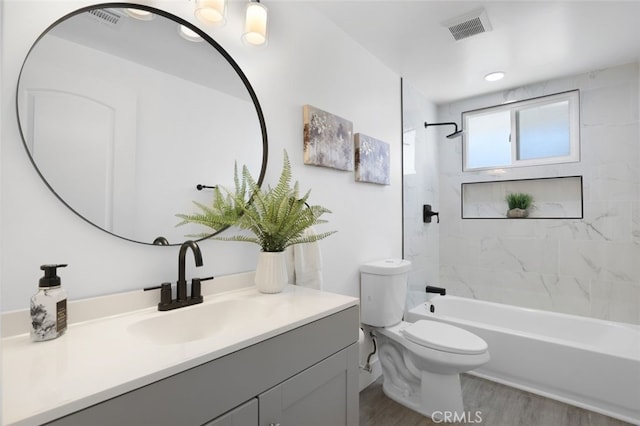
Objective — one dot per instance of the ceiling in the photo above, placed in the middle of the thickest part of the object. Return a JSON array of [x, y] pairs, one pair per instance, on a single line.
[[531, 41], [152, 43]]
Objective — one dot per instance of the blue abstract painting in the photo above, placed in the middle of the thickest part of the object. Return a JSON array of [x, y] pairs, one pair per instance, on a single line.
[[371, 159]]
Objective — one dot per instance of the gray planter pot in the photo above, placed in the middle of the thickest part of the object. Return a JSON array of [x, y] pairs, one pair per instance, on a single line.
[[517, 213]]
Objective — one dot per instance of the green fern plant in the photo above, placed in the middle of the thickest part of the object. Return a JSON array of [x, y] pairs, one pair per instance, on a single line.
[[277, 217], [519, 200]]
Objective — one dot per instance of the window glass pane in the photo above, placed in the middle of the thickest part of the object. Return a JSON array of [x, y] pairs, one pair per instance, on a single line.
[[487, 140], [543, 131], [409, 152], [531, 132]]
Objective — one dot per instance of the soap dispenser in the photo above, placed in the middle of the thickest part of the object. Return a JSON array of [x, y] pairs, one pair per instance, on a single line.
[[49, 306]]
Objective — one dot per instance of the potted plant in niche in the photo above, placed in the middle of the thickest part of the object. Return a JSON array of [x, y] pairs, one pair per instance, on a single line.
[[519, 204], [275, 217]]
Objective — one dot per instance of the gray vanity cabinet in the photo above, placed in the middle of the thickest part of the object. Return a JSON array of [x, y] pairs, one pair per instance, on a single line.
[[319, 396], [244, 415], [304, 377]]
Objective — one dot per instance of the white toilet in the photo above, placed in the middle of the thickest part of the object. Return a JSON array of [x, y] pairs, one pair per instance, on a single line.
[[422, 361]]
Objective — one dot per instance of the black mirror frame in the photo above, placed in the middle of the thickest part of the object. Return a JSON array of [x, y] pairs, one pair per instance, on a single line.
[[208, 39]]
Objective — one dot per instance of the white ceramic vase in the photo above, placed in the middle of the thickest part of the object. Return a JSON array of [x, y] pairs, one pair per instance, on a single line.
[[271, 272]]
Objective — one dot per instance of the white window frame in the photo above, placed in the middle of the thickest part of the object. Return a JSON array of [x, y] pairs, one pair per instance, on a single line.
[[514, 107]]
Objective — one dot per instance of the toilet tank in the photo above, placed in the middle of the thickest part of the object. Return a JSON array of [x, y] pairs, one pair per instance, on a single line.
[[383, 291]]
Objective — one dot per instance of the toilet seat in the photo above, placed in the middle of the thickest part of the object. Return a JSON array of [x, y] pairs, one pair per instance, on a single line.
[[444, 337]]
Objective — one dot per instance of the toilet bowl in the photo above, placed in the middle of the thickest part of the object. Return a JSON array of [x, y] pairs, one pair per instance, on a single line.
[[421, 366], [422, 361]]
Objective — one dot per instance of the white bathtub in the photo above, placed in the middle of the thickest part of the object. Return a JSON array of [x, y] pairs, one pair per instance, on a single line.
[[590, 363]]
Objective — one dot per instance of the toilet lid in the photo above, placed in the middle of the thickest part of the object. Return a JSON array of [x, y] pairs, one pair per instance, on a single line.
[[444, 337]]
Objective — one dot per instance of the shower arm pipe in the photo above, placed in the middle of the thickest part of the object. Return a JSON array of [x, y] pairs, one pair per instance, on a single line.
[[455, 133]]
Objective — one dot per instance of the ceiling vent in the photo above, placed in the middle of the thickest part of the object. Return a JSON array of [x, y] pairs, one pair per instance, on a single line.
[[105, 16], [469, 24]]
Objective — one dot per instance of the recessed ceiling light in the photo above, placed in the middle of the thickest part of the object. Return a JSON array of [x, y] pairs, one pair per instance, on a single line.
[[188, 34], [494, 76], [143, 15]]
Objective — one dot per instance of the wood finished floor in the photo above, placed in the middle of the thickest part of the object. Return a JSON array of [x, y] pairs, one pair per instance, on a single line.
[[499, 406]]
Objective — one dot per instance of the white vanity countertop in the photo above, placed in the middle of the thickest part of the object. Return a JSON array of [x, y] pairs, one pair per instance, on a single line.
[[101, 358]]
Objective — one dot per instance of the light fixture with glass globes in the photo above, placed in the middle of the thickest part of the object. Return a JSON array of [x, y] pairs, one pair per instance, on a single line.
[[255, 24], [214, 12], [211, 11]]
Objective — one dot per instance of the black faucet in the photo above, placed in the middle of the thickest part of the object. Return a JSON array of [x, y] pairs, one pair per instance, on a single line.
[[181, 300], [182, 282]]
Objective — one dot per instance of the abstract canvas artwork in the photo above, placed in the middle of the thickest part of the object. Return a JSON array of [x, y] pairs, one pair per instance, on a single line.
[[328, 139], [372, 160]]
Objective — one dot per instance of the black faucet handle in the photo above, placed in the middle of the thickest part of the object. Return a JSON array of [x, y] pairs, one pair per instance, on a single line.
[[427, 212], [196, 287], [165, 294]]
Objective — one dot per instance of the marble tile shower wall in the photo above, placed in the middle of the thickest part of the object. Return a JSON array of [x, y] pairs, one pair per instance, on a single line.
[[588, 266], [420, 186]]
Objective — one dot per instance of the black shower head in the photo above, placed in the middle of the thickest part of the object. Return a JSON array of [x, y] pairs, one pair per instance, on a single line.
[[455, 134]]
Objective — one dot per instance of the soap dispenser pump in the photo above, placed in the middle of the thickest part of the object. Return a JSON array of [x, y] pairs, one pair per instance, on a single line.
[[49, 306]]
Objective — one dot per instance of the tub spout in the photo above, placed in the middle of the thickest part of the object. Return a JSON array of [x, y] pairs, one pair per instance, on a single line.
[[438, 290], [432, 291]]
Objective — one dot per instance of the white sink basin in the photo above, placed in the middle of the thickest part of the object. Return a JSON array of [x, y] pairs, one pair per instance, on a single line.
[[199, 321]]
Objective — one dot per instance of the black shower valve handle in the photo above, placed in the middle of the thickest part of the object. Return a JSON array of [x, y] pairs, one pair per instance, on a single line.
[[427, 212]]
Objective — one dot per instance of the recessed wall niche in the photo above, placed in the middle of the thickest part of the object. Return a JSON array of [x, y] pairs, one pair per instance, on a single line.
[[554, 198]]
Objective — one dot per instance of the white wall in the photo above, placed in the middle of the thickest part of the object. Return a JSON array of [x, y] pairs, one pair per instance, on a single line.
[[583, 266], [308, 61], [2, 37]]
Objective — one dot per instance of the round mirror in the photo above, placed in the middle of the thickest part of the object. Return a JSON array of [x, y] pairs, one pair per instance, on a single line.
[[126, 111]]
